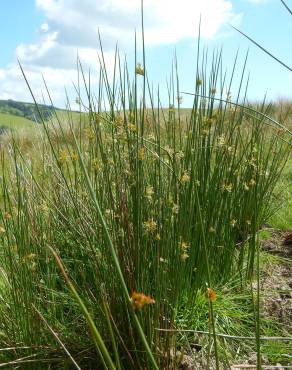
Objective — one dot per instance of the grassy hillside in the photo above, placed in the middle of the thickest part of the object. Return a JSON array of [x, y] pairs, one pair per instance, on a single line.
[[26, 110], [22, 119], [11, 121]]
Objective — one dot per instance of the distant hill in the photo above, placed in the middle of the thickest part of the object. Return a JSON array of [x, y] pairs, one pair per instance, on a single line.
[[10, 121], [25, 110]]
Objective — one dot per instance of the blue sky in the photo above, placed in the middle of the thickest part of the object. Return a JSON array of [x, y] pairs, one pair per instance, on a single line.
[[46, 34]]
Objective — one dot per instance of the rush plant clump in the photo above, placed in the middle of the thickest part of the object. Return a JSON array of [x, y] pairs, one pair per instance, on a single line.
[[122, 214]]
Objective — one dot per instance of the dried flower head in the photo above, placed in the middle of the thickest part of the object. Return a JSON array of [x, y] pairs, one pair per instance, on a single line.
[[90, 134], [119, 121], [141, 154], [252, 183], [184, 246], [97, 119], [179, 154], [63, 156], [185, 177], [132, 127], [168, 150], [175, 208], [150, 225], [227, 187], [211, 295], [221, 140], [184, 256], [157, 237], [6, 216], [139, 300], [139, 70], [149, 192], [199, 82], [233, 222], [28, 257], [95, 164], [205, 132]]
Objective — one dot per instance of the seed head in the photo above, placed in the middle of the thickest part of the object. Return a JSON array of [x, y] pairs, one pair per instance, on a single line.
[[198, 82], [149, 192], [211, 295], [184, 256], [63, 156], [227, 187], [185, 177], [141, 154], [139, 300], [233, 222], [132, 127], [150, 225], [252, 183], [139, 70]]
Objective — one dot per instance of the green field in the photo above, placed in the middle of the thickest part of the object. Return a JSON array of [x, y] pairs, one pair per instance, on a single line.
[[15, 122]]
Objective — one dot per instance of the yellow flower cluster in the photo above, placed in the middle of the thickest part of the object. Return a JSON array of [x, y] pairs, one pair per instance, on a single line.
[[132, 127], [150, 225], [90, 133], [228, 187], [221, 140], [139, 70], [74, 156], [6, 216], [95, 164], [252, 183], [63, 156], [233, 222], [118, 122], [199, 82], [184, 247], [149, 192], [141, 154], [185, 177]]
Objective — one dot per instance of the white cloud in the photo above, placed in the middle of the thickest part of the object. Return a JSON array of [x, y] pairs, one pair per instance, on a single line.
[[49, 52], [166, 21], [13, 85], [44, 27], [72, 26]]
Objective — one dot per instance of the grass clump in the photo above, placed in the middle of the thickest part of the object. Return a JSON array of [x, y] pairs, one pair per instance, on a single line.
[[144, 207]]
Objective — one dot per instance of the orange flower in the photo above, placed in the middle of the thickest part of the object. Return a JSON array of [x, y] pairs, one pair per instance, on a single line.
[[139, 300], [212, 296]]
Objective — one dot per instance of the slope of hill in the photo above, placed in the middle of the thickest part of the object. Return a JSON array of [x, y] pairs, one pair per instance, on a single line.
[[26, 110], [11, 121]]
